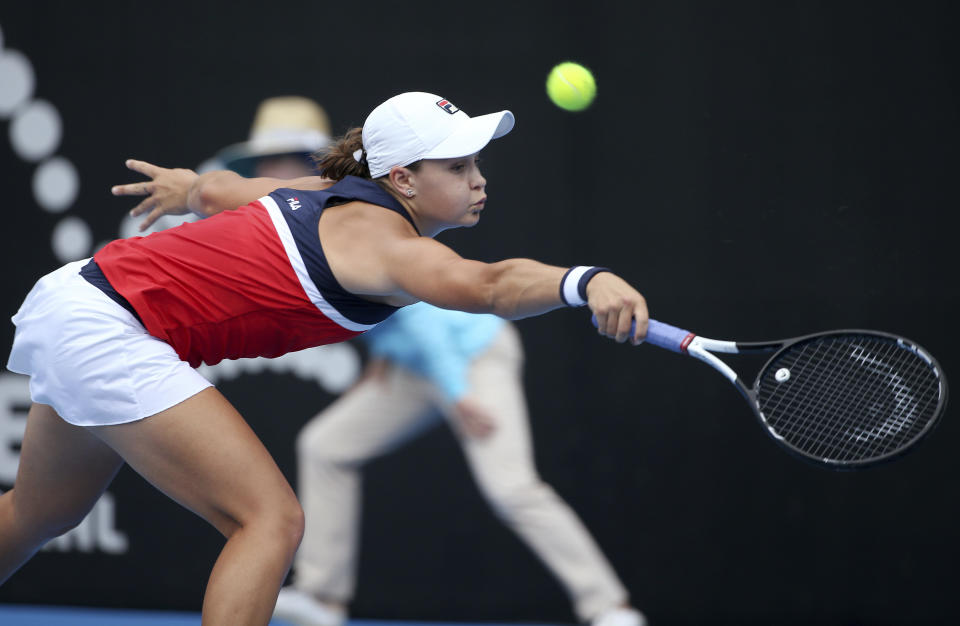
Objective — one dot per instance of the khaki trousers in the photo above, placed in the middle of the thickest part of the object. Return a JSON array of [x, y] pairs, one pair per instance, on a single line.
[[380, 414]]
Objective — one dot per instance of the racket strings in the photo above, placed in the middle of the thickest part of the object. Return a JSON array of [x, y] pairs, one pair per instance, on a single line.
[[890, 409], [819, 431], [858, 439], [813, 399], [849, 397], [831, 406], [818, 423]]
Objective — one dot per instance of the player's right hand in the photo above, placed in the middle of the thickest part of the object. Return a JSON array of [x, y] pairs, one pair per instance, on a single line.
[[617, 305]]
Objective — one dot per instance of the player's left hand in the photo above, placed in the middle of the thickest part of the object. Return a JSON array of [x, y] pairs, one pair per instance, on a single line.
[[167, 191]]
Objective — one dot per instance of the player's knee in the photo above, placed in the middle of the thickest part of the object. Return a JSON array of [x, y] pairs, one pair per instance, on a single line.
[[291, 518], [51, 521], [284, 524], [51, 527], [293, 526]]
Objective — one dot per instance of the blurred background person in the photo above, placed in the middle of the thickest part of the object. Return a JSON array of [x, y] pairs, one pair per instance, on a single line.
[[426, 364], [286, 131]]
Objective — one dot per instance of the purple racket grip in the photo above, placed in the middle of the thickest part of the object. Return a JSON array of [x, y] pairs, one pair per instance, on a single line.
[[667, 336], [662, 335]]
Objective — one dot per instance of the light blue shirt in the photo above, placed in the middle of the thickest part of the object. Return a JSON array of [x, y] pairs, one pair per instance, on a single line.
[[435, 343]]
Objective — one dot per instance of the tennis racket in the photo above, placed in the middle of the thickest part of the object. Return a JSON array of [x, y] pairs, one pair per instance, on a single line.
[[844, 399]]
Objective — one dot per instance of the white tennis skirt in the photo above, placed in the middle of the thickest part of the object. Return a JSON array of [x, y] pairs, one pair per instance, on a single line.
[[91, 359]]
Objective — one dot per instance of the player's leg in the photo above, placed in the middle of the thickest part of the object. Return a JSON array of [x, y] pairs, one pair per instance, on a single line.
[[96, 363], [503, 467], [63, 470], [202, 454], [379, 414]]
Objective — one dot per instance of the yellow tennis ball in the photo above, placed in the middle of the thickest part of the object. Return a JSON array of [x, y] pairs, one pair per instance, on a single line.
[[571, 86]]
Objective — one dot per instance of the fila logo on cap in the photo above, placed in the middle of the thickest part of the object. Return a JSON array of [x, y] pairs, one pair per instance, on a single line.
[[447, 106]]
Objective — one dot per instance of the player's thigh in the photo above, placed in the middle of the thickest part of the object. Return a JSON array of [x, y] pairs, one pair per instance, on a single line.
[[202, 454], [63, 470]]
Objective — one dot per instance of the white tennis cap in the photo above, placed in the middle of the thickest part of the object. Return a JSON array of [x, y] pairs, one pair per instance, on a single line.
[[417, 125]]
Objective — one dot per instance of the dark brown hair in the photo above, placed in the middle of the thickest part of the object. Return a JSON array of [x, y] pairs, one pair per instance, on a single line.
[[336, 160]]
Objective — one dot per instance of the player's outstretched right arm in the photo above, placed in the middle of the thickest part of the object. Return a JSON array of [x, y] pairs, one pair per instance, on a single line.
[[513, 289]]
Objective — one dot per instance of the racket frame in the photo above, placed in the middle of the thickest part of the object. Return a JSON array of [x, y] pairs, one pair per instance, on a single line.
[[702, 349]]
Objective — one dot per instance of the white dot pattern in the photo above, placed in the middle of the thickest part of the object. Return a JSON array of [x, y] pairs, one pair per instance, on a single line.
[[35, 132]]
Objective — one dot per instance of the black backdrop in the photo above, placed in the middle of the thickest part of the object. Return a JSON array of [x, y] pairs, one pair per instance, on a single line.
[[757, 169]]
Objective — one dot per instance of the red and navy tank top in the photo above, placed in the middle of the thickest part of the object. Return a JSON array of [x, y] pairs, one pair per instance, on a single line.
[[244, 283]]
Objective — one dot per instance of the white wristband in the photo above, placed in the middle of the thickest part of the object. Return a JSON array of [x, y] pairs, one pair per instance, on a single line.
[[569, 286]]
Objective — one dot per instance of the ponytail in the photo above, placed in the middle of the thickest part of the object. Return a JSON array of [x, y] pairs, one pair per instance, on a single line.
[[337, 160]]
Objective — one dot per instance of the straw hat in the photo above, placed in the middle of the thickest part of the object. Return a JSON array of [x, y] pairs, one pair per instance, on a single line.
[[283, 125]]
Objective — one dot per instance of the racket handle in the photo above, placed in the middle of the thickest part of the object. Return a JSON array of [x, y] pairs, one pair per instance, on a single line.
[[662, 335]]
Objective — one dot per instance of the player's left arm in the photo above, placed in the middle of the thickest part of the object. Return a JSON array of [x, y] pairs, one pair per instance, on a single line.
[[177, 191]]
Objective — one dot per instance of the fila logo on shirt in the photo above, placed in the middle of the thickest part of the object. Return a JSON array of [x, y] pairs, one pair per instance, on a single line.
[[447, 106], [294, 203]]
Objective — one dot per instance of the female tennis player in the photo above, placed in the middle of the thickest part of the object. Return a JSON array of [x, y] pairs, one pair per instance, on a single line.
[[110, 344]]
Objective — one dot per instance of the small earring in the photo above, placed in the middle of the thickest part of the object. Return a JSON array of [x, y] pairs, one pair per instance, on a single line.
[[410, 193]]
